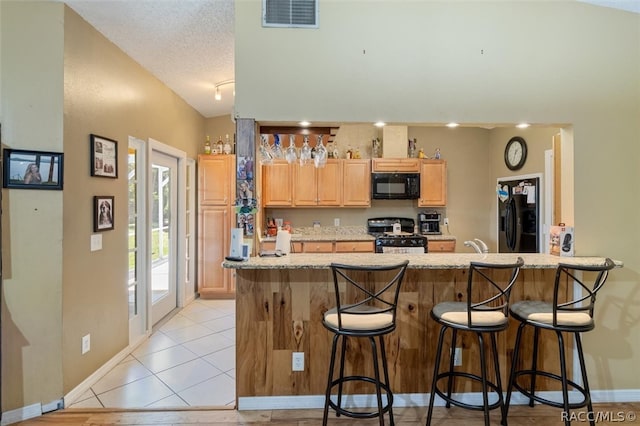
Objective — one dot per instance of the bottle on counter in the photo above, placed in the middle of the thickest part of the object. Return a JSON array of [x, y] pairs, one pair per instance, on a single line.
[[437, 154], [220, 146], [421, 153], [227, 145], [207, 146]]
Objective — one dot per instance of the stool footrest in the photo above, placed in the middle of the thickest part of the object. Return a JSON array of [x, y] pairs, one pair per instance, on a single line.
[[384, 388], [493, 388], [527, 392]]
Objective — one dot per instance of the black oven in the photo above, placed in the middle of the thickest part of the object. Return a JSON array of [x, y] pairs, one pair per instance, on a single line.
[[390, 239], [395, 186]]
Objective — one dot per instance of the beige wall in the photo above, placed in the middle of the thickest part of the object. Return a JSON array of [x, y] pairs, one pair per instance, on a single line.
[[109, 94], [218, 127], [481, 62], [32, 234], [59, 72]]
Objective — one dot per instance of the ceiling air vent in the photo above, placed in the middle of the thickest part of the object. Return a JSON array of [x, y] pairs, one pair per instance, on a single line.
[[290, 13]]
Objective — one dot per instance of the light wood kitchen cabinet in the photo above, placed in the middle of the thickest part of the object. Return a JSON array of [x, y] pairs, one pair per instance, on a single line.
[[317, 186], [325, 246], [213, 178], [395, 165], [317, 247], [354, 247], [433, 183], [356, 183], [216, 186], [277, 184], [441, 246]]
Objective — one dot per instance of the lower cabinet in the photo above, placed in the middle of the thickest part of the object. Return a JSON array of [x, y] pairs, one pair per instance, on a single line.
[[354, 247], [325, 246], [213, 243], [441, 246]]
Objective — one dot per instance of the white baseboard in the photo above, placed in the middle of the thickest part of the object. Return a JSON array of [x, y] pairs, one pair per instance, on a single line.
[[86, 384], [20, 414], [417, 399], [315, 401]]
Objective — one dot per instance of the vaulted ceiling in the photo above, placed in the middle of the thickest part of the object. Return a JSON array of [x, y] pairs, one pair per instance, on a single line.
[[189, 45]]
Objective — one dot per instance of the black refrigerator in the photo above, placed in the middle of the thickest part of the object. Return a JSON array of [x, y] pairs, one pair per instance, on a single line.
[[519, 216]]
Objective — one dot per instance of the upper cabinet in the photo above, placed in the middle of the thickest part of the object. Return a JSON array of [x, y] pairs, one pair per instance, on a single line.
[[317, 186], [340, 183], [395, 165], [277, 184], [433, 183], [356, 183], [214, 179]]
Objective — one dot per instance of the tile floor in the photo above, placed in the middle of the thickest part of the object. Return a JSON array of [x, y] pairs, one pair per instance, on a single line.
[[189, 361]]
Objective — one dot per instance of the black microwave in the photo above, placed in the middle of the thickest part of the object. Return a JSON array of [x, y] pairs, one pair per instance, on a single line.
[[395, 186]]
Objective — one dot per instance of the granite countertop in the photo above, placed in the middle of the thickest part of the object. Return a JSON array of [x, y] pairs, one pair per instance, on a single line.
[[416, 261], [339, 233]]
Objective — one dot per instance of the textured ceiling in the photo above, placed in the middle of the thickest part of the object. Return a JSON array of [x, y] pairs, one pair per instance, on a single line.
[[189, 44]]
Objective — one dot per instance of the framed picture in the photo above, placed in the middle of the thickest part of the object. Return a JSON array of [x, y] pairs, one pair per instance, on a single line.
[[102, 213], [104, 157], [26, 169]]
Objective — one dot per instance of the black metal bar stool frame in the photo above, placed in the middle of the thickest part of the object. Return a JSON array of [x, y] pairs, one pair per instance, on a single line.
[[486, 316], [574, 317], [372, 316]]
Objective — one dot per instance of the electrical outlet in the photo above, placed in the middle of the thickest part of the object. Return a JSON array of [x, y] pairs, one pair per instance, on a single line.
[[446, 221], [297, 361], [457, 357], [336, 221], [86, 344]]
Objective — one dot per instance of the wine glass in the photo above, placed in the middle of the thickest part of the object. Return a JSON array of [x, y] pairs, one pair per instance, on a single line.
[[277, 147], [320, 160], [290, 153], [305, 151], [266, 155]]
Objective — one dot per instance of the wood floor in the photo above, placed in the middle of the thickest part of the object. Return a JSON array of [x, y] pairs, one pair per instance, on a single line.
[[609, 414]]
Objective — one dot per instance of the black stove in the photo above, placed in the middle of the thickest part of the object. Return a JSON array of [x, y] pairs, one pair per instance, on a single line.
[[396, 235]]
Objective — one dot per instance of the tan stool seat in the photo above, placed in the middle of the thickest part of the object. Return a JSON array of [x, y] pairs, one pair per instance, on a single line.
[[456, 312], [365, 319], [542, 312]]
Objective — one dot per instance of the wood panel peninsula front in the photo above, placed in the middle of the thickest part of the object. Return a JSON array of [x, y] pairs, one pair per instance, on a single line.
[[280, 302]]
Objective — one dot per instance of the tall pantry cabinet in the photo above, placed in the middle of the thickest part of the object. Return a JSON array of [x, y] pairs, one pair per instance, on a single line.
[[216, 191]]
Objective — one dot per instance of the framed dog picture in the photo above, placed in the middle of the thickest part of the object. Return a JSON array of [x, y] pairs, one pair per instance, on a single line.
[[104, 157], [102, 213], [25, 169]]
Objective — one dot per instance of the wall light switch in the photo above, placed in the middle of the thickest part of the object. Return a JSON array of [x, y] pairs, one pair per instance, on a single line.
[[86, 344], [96, 242], [336, 221]]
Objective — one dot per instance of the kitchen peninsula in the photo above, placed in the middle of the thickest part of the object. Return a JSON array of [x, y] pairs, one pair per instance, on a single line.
[[280, 302]]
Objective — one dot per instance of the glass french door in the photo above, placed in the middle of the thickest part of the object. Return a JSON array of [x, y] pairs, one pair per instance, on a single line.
[[163, 230], [136, 237]]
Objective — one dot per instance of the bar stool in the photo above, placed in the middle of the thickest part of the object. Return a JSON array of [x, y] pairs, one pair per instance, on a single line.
[[372, 293], [485, 311], [573, 316]]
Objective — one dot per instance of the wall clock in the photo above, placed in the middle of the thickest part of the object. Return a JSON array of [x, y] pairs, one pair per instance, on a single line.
[[515, 153]]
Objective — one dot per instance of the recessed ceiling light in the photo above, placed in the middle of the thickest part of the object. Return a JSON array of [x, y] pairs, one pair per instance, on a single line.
[[452, 125], [380, 124], [304, 123], [522, 125]]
